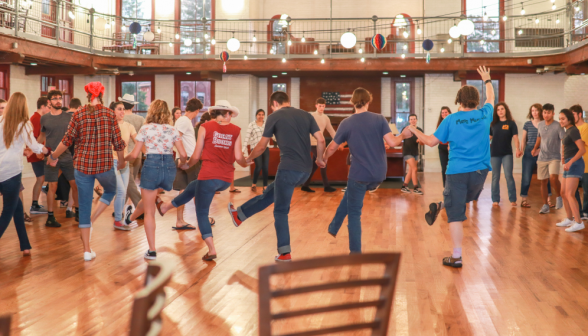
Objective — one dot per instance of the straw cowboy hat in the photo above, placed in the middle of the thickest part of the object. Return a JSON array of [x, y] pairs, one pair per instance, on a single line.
[[225, 105], [128, 98]]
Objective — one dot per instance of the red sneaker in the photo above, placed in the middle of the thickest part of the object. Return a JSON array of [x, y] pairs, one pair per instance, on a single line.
[[234, 215], [284, 257], [120, 226]]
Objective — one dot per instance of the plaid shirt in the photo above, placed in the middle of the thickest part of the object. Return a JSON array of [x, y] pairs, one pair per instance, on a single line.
[[95, 135]]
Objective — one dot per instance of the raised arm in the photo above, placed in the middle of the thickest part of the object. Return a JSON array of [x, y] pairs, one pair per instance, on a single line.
[[485, 74]]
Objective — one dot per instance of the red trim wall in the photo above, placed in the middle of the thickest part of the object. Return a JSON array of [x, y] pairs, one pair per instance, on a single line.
[[5, 68]]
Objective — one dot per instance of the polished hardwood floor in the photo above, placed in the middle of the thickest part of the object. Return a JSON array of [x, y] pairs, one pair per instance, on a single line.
[[522, 275]]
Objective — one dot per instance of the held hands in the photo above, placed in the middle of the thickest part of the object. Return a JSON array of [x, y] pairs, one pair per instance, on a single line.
[[341, 147], [321, 163], [519, 153], [408, 132], [535, 152], [484, 73], [52, 162], [28, 152], [185, 166], [121, 165]]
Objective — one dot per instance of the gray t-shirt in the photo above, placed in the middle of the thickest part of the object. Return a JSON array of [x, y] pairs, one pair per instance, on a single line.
[[291, 126], [137, 121], [55, 127], [551, 136]]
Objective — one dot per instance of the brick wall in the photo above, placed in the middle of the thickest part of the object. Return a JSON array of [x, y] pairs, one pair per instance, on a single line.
[[575, 91]]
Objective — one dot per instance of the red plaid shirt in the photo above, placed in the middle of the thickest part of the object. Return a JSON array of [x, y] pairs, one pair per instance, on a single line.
[[95, 135]]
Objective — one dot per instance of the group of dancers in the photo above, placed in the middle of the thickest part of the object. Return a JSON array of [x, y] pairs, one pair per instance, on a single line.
[[203, 162]]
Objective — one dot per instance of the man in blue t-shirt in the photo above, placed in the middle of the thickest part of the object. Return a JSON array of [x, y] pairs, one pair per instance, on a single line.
[[468, 134], [363, 132], [291, 127]]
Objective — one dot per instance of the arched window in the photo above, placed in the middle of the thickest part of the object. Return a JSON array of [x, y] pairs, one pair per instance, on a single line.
[[402, 28], [276, 33]]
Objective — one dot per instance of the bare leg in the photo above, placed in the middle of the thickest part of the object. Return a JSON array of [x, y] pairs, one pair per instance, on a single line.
[[99, 209], [139, 210], [37, 188], [74, 193], [210, 244], [555, 185], [85, 235], [148, 197], [51, 195], [180, 215], [568, 190], [413, 166], [456, 230]]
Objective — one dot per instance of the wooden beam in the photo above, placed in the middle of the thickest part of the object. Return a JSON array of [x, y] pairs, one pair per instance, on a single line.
[[211, 75], [10, 57], [59, 70]]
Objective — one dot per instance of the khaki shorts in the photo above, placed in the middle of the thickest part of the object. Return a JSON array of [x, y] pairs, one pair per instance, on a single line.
[[546, 168]]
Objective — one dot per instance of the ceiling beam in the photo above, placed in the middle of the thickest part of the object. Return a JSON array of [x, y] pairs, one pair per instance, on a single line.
[[59, 70], [10, 57], [211, 75]]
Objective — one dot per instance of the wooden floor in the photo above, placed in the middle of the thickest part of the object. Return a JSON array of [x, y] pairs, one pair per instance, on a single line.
[[522, 275]]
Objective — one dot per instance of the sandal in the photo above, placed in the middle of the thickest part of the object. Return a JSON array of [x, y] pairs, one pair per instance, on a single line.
[[434, 209], [27, 218], [209, 257], [26, 253], [236, 191], [185, 227], [524, 204], [158, 203], [254, 188], [211, 220], [452, 262], [98, 191]]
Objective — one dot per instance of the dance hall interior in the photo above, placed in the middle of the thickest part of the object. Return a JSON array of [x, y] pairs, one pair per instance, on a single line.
[[316, 167]]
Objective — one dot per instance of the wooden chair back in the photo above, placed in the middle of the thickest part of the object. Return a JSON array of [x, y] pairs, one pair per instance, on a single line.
[[383, 304], [121, 38], [150, 301], [5, 325]]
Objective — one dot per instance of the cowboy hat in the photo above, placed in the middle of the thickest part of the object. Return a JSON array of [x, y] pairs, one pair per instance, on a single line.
[[225, 105], [128, 98]]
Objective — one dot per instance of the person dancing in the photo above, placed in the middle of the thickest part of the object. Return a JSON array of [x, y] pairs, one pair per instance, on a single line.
[[252, 138], [219, 147], [443, 147], [468, 135], [95, 132], [159, 168], [410, 152], [503, 129], [363, 132], [16, 133]]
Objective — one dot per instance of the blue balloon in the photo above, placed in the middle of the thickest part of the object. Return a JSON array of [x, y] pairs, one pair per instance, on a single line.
[[427, 45], [135, 28]]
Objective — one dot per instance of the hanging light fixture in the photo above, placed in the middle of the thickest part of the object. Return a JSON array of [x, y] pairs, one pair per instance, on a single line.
[[485, 14], [399, 21], [284, 60], [206, 36], [348, 40], [504, 18], [289, 42], [493, 32], [123, 28], [403, 56], [70, 13], [112, 23], [233, 44], [198, 40], [187, 42], [245, 57], [213, 41], [449, 40], [419, 31], [454, 32], [466, 27], [442, 48], [303, 39], [322, 60], [553, 7], [362, 60], [576, 7], [520, 31], [522, 9], [177, 36], [360, 50], [158, 29], [405, 34], [557, 20], [254, 38], [171, 44], [482, 42], [315, 51], [536, 20], [405, 47]]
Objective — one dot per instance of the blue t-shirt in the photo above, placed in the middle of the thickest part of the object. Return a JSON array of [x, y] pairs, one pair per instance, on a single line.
[[468, 134], [364, 133]]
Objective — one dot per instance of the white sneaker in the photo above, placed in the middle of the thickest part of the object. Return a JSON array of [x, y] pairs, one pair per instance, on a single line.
[[544, 209], [88, 256], [584, 215], [558, 203], [575, 227], [565, 222]]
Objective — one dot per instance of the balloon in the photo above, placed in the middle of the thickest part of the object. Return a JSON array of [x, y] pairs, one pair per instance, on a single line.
[[135, 28], [427, 45], [224, 56], [379, 41]]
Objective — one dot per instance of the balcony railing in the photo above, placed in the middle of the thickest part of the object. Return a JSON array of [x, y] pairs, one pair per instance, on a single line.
[[70, 26]]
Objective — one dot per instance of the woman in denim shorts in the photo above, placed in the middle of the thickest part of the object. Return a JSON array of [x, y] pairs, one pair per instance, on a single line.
[[159, 168], [573, 162]]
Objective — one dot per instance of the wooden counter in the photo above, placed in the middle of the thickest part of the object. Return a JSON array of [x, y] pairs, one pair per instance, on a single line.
[[337, 169]]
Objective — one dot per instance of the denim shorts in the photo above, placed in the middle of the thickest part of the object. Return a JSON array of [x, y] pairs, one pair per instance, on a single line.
[[460, 189], [408, 157], [159, 171], [576, 169]]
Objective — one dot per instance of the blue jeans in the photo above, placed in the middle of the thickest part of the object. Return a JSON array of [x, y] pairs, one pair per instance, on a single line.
[[12, 209], [203, 191], [529, 165], [122, 182], [505, 161], [352, 204], [85, 185], [278, 193]]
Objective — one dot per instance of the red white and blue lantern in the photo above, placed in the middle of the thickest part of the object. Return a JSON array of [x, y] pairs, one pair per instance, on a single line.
[[224, 56], [428, 46], [379, 41]]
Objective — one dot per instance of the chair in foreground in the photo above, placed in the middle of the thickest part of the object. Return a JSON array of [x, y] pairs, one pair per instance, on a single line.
[[149, 302], [383, 304], [5, 325]]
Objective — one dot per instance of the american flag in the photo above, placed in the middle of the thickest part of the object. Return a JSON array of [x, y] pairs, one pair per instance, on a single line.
[[338, 103]]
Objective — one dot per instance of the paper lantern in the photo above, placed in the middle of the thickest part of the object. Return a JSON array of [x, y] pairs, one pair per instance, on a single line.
[[233, 44], [454, 32], [135, 28], [466, 27], [100, 23], [224, 56], [428, 45], [348, 40], [149, 36], [379, 41]]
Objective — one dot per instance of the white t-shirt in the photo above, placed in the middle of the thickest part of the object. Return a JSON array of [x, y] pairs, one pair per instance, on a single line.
[[11, 158], [158, 139], [184, 125]]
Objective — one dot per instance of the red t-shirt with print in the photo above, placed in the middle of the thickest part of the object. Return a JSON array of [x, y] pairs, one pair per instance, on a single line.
[[218, 155]]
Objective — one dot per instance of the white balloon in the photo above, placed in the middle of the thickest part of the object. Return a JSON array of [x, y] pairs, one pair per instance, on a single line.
[[348, 40], [148, 36], [466, 27], [454, 32], [233, 44]]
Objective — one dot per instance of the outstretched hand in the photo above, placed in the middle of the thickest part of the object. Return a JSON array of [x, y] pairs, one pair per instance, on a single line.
[[484, 72]]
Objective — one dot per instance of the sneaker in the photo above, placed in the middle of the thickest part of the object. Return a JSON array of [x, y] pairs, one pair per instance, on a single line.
[[120, 226], [584, 215], [284, 257], [51, 222], [330, 189], [113, 214], [62, 204], [405, 189], [434, 209], [128, 213], [417, 191], [142, 217], [453, 262], [38, 210], [565, 222], [69, 214], [374, 190], [234, 215], [45, 188], [544, 209], [88, 256], [344, 189], [151, 255], [575, 227], [307, 189], [558, 203], [77, 216]]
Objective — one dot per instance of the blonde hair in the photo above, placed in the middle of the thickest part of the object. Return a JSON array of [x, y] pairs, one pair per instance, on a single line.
[[361, 97], [16, 114], [159, 113]]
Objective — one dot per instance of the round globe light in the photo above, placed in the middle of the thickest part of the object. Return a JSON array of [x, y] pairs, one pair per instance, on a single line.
[[149, 36], [466, 27], [348, 40], [454, 32], [100, 23], [233, 44], [187, 42]]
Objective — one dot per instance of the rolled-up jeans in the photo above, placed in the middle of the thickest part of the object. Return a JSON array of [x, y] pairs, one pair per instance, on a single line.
[[203, 191], [351, 205], [507, 163], [279, 193], [122, 183], [85, 185]]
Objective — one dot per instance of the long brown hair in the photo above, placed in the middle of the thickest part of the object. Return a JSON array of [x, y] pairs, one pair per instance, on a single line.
[[539, 108], [495, 117], [361, 97], [91, 108], [204, 118], [16, 114], [159, 113], [441, 112]]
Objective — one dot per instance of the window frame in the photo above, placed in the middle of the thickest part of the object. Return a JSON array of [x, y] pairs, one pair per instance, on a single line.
[[407, 80], [135, 78], [5, 69], [270, 83], [179, 78], [56, 79], [473, 75], [501, 25]]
